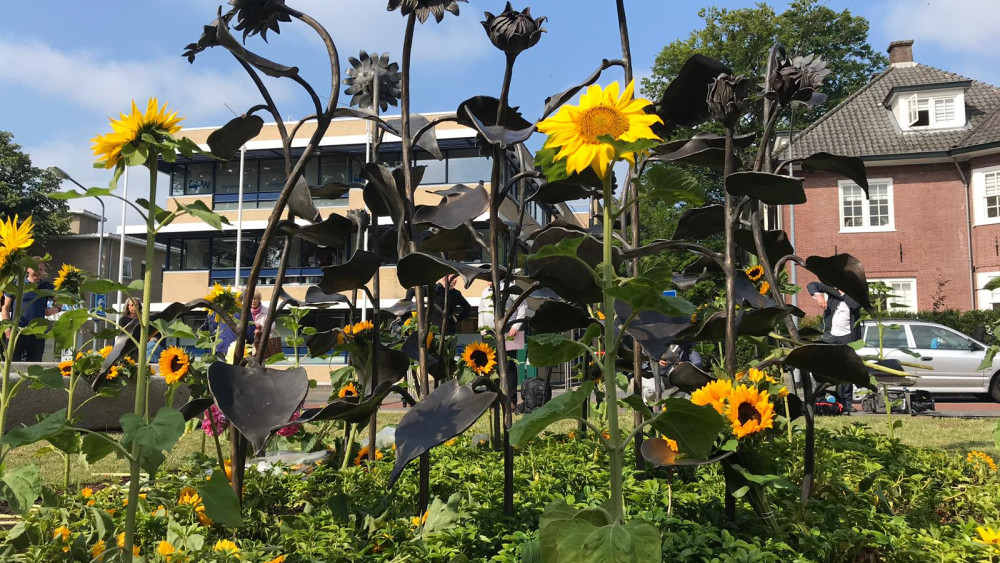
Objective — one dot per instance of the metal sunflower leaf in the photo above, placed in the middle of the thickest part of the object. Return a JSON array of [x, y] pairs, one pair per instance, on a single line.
[[334, 231], [694, 427], [459, 205], [684, 101], [301, 203], [845, 272], [570, 279], [688, 378], [316, 297], [850, 167], [426, 141], [498, 134], [700, 223], [417, 268], [225, 141], [350, 409], [256, 399], [582, 185], [772, 189], [447, 412], [659, 453], [559, 316], [701, 266], [195, 407], [383, 191], [353, 274], [448, 240], [266, 66], [831, 363], [654, 331], [776, 244], [332, 190], [411, 349], [553, 102]]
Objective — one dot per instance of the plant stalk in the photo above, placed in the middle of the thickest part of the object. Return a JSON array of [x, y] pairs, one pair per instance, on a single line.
[[615, 447]]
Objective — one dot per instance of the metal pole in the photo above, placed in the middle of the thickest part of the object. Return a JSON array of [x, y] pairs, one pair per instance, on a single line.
[[100, 241], [369, 132], [121, 249], [239, 218]]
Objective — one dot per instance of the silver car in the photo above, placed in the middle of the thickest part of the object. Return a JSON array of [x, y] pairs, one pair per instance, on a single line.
[[955, 357]]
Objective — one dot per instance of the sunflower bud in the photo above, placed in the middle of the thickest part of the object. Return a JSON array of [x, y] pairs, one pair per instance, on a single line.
[[513, 31], [727, 96]]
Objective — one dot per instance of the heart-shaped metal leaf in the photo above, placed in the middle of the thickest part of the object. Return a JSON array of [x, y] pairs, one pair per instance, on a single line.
[[654, 331], [776, 245], [700, 222], [559, 316], [300, 203], [350, 409], [333, 232], [225, 141], [683, 103], [448, 240], [195, 407], [583, 185], [332, 190], [688, 378], [844, 272], [459, 205], [447, 412], [772, 189], [831, 363], [317, 298], [850, 167], [353, 274], [256, 399], [417, 268]]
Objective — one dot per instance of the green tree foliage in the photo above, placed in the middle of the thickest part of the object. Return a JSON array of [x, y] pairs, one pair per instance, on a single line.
[[24, 191], [742, 38]]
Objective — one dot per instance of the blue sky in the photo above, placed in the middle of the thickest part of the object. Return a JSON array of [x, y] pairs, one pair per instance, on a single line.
[[66, 66]]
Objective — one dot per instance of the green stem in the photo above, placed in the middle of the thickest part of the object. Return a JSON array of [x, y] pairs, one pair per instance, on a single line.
[[69, 422], [142, 377], [615, 446], [888, 411], [347, 446], [5, 389], [788, 417]]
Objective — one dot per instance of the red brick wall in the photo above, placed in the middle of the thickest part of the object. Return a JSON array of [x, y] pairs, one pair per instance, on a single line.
[[985, 238], [930, 242]]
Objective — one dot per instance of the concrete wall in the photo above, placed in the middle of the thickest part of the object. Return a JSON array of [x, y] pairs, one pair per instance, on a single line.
[[103, 413]]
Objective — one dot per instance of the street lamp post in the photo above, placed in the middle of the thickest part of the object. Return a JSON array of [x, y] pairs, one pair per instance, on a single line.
[[62, 175]]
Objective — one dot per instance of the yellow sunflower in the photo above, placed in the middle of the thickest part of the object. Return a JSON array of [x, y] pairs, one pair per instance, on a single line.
[[68, 277], [988, 536], [755, 272], [765, 288], [975, 457], [714, 393], [98, 549], [226, 546], [16, 236], [418, 521], [105, 351], [363, 455], [66, 368], [749, 411], [348, 390], [362, 326], [174, 364], [480, 357], [155, 121], [112, 373], [165, 549], [575, 129]]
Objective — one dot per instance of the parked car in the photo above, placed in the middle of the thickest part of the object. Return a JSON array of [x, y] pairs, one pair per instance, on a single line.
[[955, 356]]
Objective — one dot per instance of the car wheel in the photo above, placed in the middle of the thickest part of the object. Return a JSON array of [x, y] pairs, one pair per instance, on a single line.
[[995, 387]]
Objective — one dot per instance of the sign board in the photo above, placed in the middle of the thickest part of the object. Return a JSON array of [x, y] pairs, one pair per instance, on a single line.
[[670, 293], [98, 302]]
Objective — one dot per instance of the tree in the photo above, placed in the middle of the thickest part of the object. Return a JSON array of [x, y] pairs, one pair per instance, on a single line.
[[742, 38], [24, 191]]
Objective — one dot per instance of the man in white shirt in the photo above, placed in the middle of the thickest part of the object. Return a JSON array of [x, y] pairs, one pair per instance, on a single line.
[[514, 340], [841, 316]]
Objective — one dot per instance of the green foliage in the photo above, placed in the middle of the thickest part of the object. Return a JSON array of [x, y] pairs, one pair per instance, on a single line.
[[695, 428], [564, 406], [568, 536], [24, 191], [553, 349], [21, 487], [221, 504]]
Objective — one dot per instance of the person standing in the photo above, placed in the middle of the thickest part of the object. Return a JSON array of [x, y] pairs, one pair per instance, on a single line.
[[841, 316], [514, 337], [458, 308], [30, 347]]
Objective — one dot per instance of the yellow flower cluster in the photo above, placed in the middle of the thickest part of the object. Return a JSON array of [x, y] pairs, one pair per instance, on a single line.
[[227, 547], [356, 330], [363, 455], [190, 497], [748, 409], [14, 237], [976, 457]]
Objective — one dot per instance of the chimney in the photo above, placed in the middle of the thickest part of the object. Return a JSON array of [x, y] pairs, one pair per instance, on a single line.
[[901, 53]]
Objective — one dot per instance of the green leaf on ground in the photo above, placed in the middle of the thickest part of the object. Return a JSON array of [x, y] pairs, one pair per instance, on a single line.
[[21, 487], [221, 503], [441, 515], [564, 406]]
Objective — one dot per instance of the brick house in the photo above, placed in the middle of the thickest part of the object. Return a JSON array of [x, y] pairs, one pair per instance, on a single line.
[[930, 140]]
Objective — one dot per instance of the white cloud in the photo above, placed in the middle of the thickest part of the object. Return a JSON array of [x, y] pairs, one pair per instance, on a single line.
[[107, 86], [955, 25]]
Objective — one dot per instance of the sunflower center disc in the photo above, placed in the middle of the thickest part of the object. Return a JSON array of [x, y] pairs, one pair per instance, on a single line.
[[479, 358], [747, 412], [602, 120]]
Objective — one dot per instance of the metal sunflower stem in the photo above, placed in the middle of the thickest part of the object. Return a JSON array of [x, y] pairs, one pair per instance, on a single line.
[[730, 263], [615, 447], [142, 367]]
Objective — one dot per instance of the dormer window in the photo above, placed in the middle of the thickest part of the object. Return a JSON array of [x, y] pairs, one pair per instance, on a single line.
[[932, 111], [928, 107]]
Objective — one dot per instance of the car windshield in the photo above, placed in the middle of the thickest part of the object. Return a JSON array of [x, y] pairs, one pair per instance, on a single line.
[[937, 338]]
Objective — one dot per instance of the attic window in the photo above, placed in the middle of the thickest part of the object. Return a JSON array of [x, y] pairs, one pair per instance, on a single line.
[[935, 111]]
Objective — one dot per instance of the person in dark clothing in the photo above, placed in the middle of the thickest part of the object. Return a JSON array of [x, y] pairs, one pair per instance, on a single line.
[[458, 308], [30, 347], [841, 316]]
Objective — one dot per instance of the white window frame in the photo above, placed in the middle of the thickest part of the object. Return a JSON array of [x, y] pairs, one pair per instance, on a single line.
[[910, 308], [865, 208], [979, 176], [127, 268], [909, 107], [986, 299]]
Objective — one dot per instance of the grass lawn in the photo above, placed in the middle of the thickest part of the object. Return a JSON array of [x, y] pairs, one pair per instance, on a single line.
[[953, 434]]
